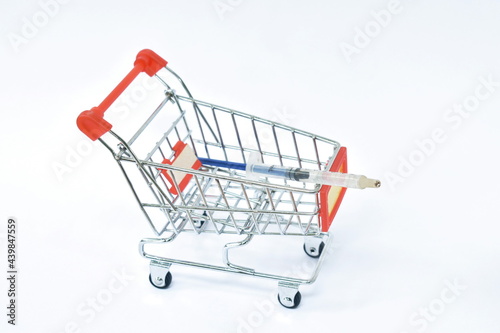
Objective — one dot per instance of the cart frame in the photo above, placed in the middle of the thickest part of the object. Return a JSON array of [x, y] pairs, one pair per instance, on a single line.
[[217, 200]]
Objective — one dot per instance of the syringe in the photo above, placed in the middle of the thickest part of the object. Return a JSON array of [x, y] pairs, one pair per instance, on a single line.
[[313, 176], [298, 174]]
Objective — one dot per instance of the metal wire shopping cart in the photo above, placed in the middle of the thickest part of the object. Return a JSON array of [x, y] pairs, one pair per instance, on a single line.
[[209, 199]]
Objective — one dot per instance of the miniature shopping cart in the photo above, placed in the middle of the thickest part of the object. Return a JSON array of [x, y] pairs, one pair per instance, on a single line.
[[179, 194]]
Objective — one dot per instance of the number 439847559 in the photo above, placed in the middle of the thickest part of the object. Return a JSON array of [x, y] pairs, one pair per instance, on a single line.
[[11, 244]]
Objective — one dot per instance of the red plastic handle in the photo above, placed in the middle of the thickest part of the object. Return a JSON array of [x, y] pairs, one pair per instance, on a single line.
[[91, 122]]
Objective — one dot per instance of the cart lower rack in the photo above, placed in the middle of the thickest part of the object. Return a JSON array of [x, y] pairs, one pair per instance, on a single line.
[[178, 194]]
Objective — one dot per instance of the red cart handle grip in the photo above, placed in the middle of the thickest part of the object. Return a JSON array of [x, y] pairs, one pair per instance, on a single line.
[[91, 122]]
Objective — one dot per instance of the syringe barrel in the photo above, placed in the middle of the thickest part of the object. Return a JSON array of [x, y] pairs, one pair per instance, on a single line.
[[277, 172], [334, 178], [305, 175]]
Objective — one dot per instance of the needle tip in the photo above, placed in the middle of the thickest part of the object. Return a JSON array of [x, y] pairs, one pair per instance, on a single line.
[[368, 182]]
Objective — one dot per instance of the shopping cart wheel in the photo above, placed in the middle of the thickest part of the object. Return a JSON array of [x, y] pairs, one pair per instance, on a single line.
[[313, 249], [161, 283], [289, 302], [160, 276], [199, 223], [288, 294]]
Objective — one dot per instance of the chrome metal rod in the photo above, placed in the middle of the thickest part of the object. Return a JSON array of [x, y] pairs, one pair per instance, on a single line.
[[149, 120], [244, 271]]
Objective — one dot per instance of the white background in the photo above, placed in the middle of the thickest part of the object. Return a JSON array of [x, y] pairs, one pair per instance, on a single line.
[[396, 249]]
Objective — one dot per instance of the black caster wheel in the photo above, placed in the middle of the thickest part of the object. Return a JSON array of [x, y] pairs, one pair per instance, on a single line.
[[290, 303], [199, 223], [162, 283], [314, 252]]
